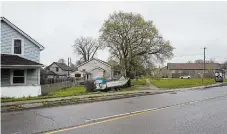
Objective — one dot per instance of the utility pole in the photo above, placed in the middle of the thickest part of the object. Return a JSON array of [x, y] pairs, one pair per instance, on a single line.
[[204, 62], [70, 62], [68, 66]]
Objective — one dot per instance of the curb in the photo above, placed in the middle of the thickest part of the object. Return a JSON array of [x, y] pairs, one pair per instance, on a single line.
[[209, 86], [218, 85]]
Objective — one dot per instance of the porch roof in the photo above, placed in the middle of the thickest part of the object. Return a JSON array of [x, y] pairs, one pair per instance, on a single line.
[[17, 61]]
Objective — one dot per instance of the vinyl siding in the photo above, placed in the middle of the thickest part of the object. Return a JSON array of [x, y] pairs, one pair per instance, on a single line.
[[32, 77], [31, 51], [94, 64], [5, 77]]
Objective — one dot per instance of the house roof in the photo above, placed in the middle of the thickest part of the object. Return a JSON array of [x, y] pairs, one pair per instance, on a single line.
[[99, 68], [96, 60], [22, 32], [192, 66], [15, 60], [63, 66], [47, 72]]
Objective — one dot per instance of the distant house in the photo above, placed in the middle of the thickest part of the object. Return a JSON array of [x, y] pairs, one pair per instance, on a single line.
[[47, 74], [81, 75], [20, 62], [195, 70], [58, 70], [95, 68]]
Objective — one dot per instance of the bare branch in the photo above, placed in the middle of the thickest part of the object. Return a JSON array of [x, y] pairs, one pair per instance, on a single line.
[[86, 47]]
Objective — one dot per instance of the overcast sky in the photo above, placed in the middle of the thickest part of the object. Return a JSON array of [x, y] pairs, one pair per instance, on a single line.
[[189, 26]]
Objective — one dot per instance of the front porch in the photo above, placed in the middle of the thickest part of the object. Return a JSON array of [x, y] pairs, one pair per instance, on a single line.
[[20, 82], [19, 77]]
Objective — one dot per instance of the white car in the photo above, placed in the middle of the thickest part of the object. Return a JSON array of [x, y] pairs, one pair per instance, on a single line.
[[186, 77]]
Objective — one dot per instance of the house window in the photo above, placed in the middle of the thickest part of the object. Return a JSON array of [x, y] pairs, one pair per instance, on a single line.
[[57, 69], [17, 46], [77, 75], [18, 77]]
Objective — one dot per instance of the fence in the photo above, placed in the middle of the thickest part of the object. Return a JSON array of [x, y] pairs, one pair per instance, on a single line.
[[52, 84], [57, 86], [44, 81]]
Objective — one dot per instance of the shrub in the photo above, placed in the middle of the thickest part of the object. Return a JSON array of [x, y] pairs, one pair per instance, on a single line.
[[90, 86]]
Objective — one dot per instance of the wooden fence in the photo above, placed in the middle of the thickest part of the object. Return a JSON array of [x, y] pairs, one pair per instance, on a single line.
[[47, 88], [50, 85]]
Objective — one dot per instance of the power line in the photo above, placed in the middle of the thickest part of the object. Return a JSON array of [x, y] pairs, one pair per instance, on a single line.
[[188, 55]]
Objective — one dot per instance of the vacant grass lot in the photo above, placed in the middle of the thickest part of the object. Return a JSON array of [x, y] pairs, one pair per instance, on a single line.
[[181, 83]]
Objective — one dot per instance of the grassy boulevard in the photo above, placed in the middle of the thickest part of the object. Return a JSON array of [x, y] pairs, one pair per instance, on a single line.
[[80, 90], [74, 91], [181, 83]]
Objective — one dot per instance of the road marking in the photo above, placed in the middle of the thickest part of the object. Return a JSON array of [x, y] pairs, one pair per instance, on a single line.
[[127, 115]]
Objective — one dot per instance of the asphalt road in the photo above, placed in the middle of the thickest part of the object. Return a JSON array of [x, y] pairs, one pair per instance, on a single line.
[[207, 113]]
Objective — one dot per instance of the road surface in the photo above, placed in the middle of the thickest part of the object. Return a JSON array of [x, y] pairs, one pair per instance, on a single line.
[[198, 111]]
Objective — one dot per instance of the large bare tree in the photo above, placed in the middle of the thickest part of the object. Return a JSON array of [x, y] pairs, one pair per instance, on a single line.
[[86, 47], [131, 38]]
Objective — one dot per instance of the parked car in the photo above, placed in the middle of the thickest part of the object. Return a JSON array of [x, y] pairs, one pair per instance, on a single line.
[[185, 77]]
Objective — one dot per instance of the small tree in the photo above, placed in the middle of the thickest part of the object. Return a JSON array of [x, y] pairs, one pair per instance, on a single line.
[[225, 65], [61, 60]]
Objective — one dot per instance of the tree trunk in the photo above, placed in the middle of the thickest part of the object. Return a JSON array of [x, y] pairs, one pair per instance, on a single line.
[[128, 76], [129, 83]]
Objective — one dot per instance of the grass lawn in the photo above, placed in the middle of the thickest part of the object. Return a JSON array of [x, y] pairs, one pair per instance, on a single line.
[[135, 84], [139, 82], [72, 91], [181, 83]]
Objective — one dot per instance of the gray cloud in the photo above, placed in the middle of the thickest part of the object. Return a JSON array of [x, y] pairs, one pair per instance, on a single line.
[[189, 26]]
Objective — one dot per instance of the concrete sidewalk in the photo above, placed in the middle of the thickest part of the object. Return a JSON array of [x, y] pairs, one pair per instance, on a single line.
[[81, 96], [151, 86]]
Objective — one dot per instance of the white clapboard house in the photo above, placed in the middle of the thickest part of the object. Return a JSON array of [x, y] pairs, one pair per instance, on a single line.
[[20, 62], [93, 69]]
